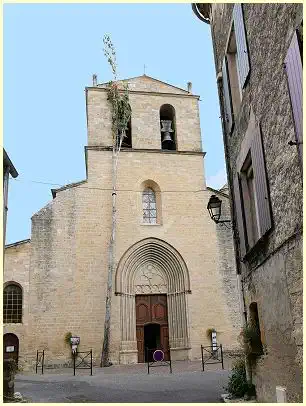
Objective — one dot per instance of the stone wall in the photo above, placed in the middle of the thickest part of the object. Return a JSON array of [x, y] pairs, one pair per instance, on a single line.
[[17, 268], [273, 276]]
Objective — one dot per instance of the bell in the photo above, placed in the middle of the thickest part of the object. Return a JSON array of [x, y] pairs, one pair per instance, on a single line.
[[167, 137], [166, 129], [166, 126]]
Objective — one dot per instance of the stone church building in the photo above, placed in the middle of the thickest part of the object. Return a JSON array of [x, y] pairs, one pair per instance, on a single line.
[[175, 270]]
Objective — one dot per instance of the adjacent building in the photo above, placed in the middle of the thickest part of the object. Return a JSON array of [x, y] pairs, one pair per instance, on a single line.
[[175, 270], [258, 60], [8, 169]]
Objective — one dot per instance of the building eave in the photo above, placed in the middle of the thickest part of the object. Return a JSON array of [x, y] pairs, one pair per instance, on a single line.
[[15, 244], [202, 11], [8, 164]]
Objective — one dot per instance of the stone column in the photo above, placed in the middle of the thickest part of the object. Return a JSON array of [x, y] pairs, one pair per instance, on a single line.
[[178, 328], [128, 352]]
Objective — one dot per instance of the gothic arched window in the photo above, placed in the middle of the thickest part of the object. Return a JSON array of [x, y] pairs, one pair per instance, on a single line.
[[12, 304], [149, 206]]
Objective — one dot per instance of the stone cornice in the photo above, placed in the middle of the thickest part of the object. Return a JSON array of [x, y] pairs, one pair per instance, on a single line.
[[146, 150], [96, 88]]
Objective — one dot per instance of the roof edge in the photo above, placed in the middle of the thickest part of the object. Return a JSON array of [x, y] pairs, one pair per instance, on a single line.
[[148, 77], [217, 191], [14, 244], [70, 185], [9, 163], [202, 11]]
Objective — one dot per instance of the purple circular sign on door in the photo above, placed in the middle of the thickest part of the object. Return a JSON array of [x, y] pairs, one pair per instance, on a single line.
[[158, 355]]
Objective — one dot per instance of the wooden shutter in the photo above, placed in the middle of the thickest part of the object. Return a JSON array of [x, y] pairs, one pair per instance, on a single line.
[[228, 107], [241, 43], [239, 215], [294, 70], [260, 183]]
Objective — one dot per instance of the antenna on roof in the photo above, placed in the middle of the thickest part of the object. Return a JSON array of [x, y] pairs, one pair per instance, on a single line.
[[144, 70]]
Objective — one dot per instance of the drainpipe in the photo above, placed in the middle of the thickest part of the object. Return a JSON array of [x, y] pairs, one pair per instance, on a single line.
[[248, 368]]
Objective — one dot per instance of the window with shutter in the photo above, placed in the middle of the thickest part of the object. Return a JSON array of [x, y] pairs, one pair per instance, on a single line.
[[294, 70], [228, 108], [239, 215], [252, 202], [235, 68], [243, 62]]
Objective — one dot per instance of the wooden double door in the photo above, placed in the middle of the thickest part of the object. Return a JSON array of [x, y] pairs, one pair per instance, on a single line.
[[151, 325]]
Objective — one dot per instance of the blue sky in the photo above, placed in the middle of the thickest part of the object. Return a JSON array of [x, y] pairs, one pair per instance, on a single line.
[[50, 54]]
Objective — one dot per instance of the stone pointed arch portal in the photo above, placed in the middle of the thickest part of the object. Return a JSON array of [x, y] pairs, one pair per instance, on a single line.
[[148, 267]]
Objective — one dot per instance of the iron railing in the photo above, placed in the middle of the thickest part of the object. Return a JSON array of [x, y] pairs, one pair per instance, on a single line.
[[214, 355]]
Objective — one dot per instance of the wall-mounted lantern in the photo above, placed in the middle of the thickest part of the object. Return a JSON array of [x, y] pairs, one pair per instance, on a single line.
[[214, 209]]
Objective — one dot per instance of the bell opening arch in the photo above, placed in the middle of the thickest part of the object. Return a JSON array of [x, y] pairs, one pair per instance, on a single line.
[[152, 266]]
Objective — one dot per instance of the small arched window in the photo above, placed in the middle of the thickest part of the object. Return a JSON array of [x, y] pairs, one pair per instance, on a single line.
[[12, 304], [149, 206], [167, 127]]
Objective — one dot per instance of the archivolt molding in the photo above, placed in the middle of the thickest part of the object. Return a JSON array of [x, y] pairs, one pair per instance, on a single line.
[[148, 267], [152, 266]]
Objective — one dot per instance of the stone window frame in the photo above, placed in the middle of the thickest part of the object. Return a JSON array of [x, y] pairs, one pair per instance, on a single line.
[[253, 210], [16, 313], [151, 184]]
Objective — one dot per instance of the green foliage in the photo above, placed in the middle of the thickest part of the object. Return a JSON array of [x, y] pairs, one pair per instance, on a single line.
[[250, 332], [237, 384], [11, 366], [119, 98], [110, 53], [121, 109], [251, 340], [209, 331], [67, 338]]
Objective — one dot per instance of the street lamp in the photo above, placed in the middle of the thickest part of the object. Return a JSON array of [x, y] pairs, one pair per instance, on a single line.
[[214, 209]]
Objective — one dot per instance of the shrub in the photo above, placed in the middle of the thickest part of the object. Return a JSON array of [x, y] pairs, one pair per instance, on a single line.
[[237, 384]]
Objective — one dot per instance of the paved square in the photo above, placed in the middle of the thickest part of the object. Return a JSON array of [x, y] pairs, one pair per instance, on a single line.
[[131, 383]]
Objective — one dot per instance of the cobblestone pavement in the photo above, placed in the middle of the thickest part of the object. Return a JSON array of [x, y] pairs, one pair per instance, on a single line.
[[129, 383]]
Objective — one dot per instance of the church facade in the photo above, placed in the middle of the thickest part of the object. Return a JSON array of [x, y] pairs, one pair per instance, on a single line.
[[175, 272]]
